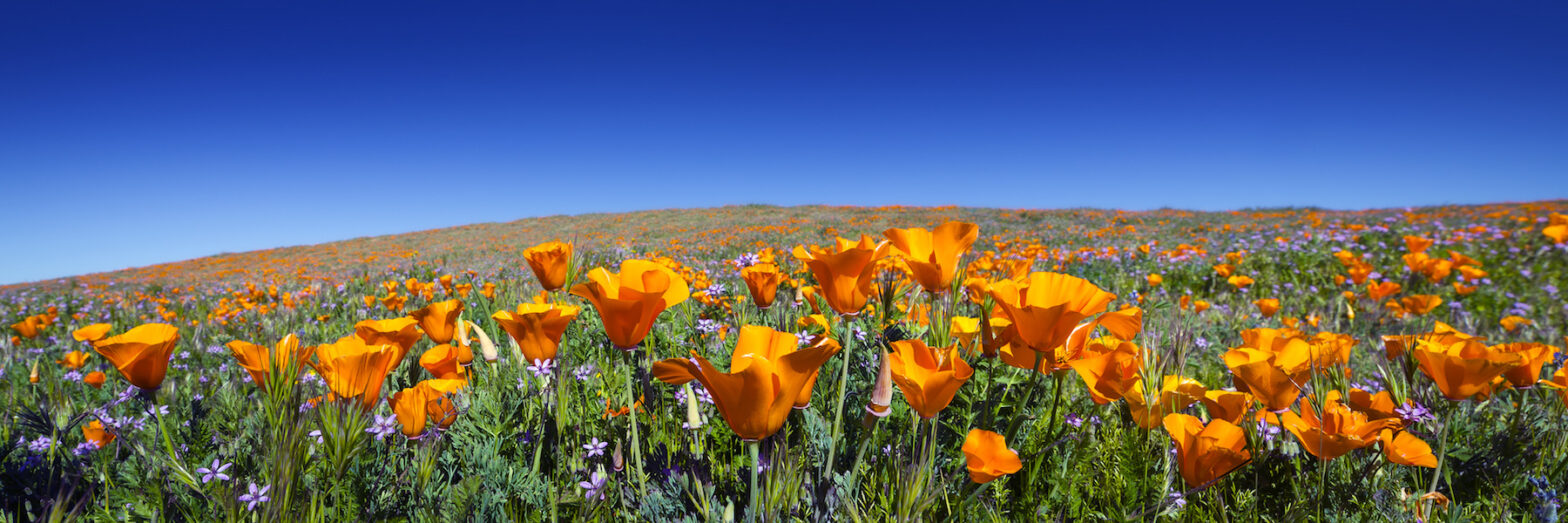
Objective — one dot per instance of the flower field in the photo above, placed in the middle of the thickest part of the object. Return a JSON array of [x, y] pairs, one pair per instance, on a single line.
[[756, 363]]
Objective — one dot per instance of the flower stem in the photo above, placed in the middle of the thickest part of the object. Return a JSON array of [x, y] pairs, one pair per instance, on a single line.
[[755, 509], [838, 409], [1442, 454]]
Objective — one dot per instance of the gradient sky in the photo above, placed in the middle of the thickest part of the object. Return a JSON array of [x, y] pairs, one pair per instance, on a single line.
[[139, 132]]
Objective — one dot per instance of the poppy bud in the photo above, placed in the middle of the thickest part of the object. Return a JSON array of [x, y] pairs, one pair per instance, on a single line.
[[486, 347], [693, 413], [616, 461], [881, 394], [33, 378], [462, 331]]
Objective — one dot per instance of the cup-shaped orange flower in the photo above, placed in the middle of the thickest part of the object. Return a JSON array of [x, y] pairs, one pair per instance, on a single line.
[[1378, 291], [1228, 405], [933, 255], [1533, 356], [1420, 304], [987, 457], [756, 395], [1407, 449], [929, 377], [537, 328], [259, 361], [630, 300], [1559, 383], [1465, 367], [1267, 307], [1259, 373], [354, 370], [426, 402], [439, 320], [91, 333], [1045, 309], [75, 359], [762, 280], [1109, 367], [1206, 453], [1176, 393], [401, 333], [141, 354], [1338, 431], [95, 379], [95, 433], [443, 362], [28, 327], [844, 273], [550, 262]]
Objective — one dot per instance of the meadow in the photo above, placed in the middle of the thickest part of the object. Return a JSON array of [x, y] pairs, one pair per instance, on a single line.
[[756, 363]]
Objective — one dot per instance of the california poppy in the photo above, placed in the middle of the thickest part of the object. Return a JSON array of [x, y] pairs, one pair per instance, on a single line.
[[442, 362], [1044, 311], [1417, 244], [933, 255], [425, 402], [355, 370], [28, 327], [1228, 405], [1155, 280], [965, 330], [259, 361], [987, 457], [1407, 449], [1205, 453], [1375, 406], [439, 320], [762, 280], [756, 395], [844, 273], [400, 333], [94, 433], [1109, 367], [929, 377], [1378, 291], [629, 301], [1559, 383], [75, 359], [91, 333], [141, 354], [1557, 228], [549, 261], [1239, 281], [1260, 373], [1420, 304], [1267, 307], [1176, 393], [1533, 356], [95, 379], [1463, 368], [537, 328], [1513, 322], [1339, 431]]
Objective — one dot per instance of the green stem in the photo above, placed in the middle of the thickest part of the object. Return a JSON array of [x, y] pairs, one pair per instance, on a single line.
[[838, 409], [631, 402], [755, 509], [1437, 473]]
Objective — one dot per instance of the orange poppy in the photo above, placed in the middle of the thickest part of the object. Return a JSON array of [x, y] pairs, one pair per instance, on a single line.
[[1559, 383], [91, 333], [1228, 405], [928, 376], [1417, 244], [1379, 291], [1557, 228], [933, 255], [425, 402], [1224, 270], [1109, 367], [442, 361], [1206, 453], [1339, 431], [987, 457], [550, 261], [1155, 280], [439, 320], [844, 273], [355, 370], [95, 379], [95, 433], [1533, 356], [966, 330], [75, 359], [1420, 304], [1407, 449], [1238, 281], [1512, 323], [1260, 373], [1043, 312], [762, 280], [1463, 368], [141, 354], [756, 395], [537, 328], [1267, 306], [28, 327], [1375, 406], [259, 361], [1176, 393], [401, 333], [629, 301]]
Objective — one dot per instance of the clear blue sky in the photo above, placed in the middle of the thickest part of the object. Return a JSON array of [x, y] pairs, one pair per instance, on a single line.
[[135, 132]]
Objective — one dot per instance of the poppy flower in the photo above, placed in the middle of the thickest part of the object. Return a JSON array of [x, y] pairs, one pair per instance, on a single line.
[[1224, 270], [425, 402], [966, 330], [537, 328], [259, 361], [1109, 367], [1154, 280], [844, 272], [1559, 383], [1338, 431], [1463, 368], [355, 370], [442, 361], [1512, 323], [1044, 311], [762, 280], [1176, 393], [1533, 356], [928, 376], [987, 457], [487, 290], [141, 354], [1267, 307], [1417, 244], [1407, 449], [28, 327], [91, 333], [933, 255], [1259, 372], [629, 301], [1375, 406], [1378, 291], [95, 379], [1420, 304], [1238, 281], [756, 395], [94, 432], [1206, 453], [32, 377], [549, 261], [439, 320], [1557, 228], [75, 359], [401, 333], [1228, 405]]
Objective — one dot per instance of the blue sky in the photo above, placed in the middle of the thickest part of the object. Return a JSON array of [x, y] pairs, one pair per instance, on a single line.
[[141, 132]]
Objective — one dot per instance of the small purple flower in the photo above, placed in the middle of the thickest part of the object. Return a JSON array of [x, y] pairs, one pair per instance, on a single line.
[[594, 487], [1072, 418], [40, 445], [595, 447], [315, 434], [542, 369], [1413, 412], [214, 471], [255, 496], [583, 372], [383, 426]]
